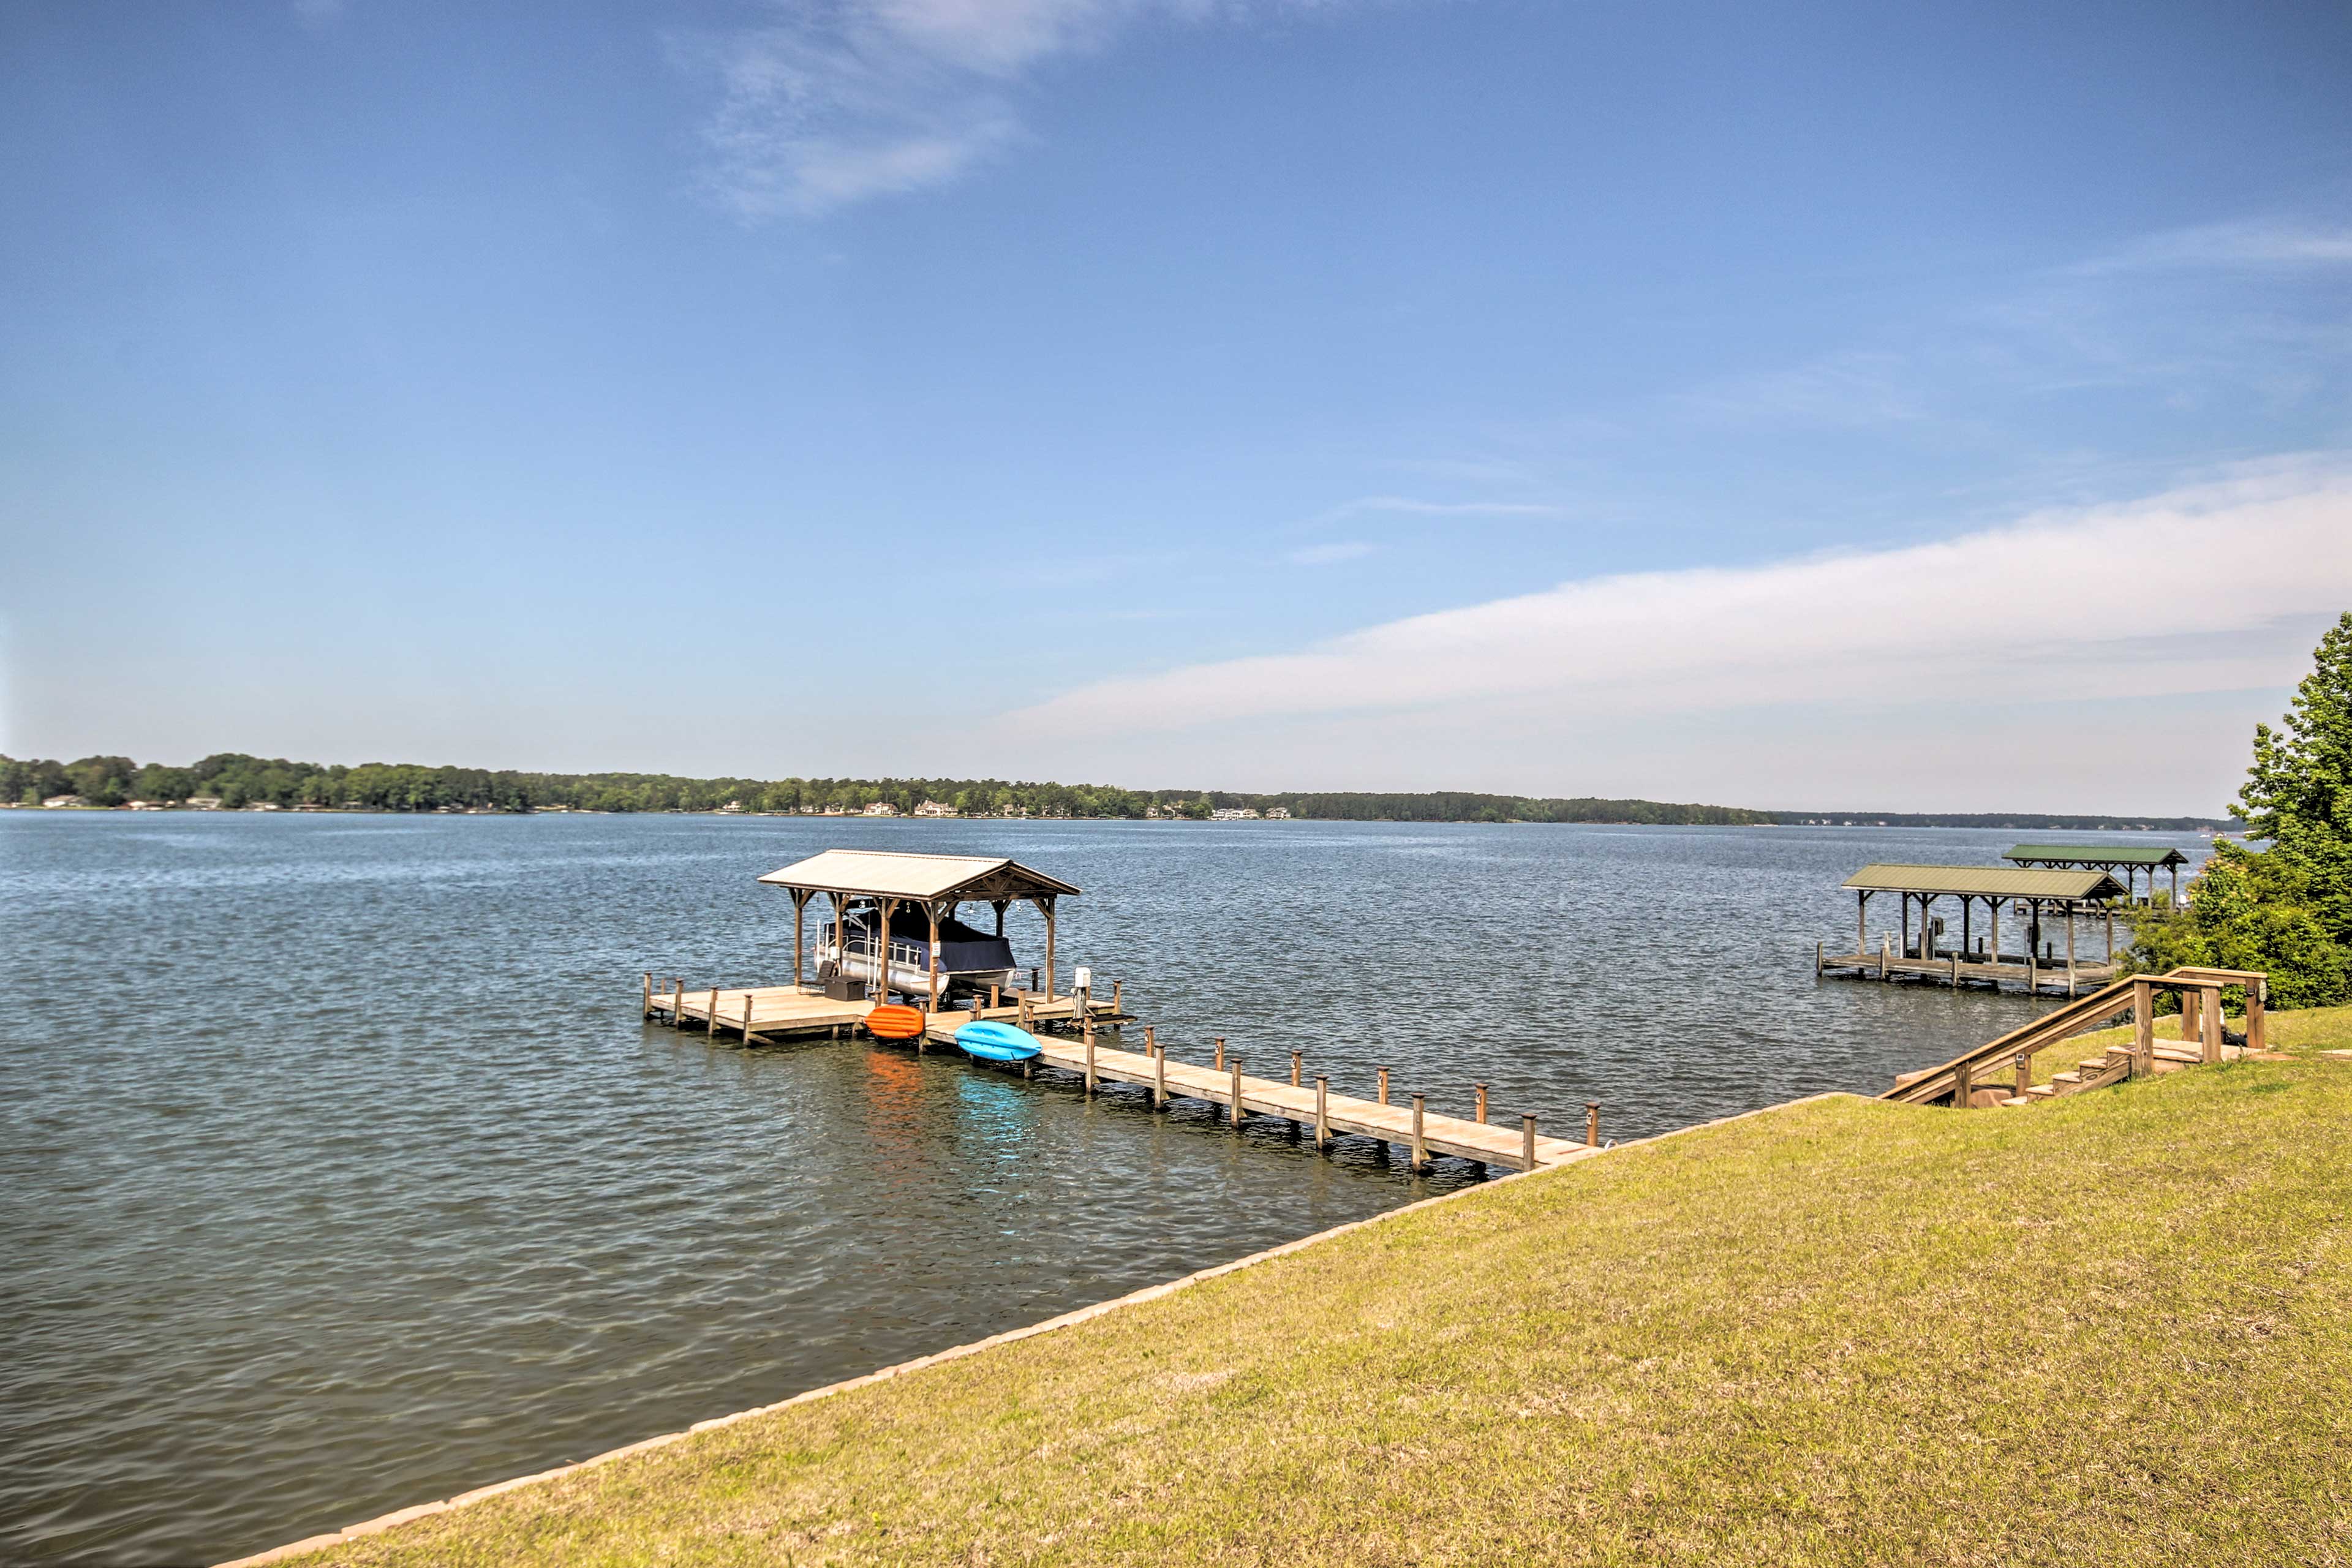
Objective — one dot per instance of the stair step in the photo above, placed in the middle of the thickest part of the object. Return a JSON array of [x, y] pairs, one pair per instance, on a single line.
[[2025, 1098], [2041, 1091]]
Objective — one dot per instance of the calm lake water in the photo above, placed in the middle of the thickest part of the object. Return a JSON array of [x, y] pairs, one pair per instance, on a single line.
[[338, 1171]]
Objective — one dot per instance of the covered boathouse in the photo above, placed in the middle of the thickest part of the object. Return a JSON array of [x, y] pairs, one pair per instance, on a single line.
[[895, 924], [2114, 858], [2034, 893]]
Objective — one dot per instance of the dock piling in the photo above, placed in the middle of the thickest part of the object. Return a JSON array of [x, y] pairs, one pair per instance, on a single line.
[[1384, 1086], [1237, 1092], [1090, 1060], [1159, 1072], [1295, 1057], [1420, 1144], [1526, 1140], [677, 1003], [1481, 1117], [747, 1017], [1593, 1125], [1322, 1112], [1221, 1053], [710, 1012], [649, 996]]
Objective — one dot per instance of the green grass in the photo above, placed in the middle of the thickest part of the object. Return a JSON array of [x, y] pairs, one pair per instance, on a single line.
[[2113, 1329]]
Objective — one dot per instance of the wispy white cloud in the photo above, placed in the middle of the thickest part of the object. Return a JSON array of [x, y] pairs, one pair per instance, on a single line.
[[835, 101], [1849, 390], [1409, 506], [2263, 243], [2108, 602], [1330, 554]]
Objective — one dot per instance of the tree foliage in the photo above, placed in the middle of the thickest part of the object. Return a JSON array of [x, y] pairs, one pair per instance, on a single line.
[[237, 780], [2285, 908]]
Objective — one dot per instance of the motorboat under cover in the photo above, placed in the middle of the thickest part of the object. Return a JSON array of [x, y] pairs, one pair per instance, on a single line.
[[962, 948]]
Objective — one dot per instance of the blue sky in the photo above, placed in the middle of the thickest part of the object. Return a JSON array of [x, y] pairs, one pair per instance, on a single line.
[[1553, 398]]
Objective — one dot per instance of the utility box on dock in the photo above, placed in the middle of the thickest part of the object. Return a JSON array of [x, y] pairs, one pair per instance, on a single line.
[[842, 988]]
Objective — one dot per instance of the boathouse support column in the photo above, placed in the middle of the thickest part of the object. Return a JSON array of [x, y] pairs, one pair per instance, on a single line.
[[2070, 947], [882, 949], [800, 937], [1860, 921], [933, 910], [1044, 902]]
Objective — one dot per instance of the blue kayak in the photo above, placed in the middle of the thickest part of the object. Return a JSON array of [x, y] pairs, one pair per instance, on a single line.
[[991, 1041]]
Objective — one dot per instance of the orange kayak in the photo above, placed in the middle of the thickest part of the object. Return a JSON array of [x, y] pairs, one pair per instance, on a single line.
[[893, 1021]]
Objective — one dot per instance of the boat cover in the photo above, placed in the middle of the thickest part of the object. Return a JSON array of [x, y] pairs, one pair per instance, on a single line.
[[962, 948]]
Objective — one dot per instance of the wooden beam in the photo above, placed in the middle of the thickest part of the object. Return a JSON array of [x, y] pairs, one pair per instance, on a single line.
[[2143, 1030], [2209, 1031], [932, 910], [2257, 1035], [1045, 902], [800, 908]]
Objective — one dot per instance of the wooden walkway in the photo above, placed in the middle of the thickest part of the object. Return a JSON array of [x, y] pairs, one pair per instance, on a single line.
[[761, 1014], [1311, 1106], [781, 1011], [1955, 971]]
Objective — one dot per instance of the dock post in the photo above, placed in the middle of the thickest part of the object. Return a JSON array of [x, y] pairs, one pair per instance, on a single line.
[[2209, 1023], [1883, 939], [1237, 1092], [747, 1017], [1322, 1112], [1593, 1125], [1482, 1105], [1420, 1144], [1296, 1060], [1117, 996], [1817, 961], [1384, 1086], [649, 996], [2025, 1071], [2257, 1037], [1526, 1140], [1091, 1059], [2143, 1030], [678, 1002], [710, 1012], [1221, 1053], [992, 1003], [1158, 1072]]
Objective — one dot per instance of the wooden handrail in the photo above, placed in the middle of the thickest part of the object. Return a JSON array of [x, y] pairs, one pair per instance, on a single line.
[[2076, 1017]]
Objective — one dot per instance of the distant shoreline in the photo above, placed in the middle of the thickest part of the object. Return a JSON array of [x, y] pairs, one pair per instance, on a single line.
[[2006, 822]]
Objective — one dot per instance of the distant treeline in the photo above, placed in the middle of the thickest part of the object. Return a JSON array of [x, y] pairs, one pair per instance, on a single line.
[[237, 780], [2015, 821]]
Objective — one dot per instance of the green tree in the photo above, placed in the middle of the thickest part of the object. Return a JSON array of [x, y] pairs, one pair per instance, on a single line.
[[2285, 908]]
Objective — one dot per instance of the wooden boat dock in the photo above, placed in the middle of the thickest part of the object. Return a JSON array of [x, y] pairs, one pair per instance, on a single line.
[[766, 1013], [933, 888], [2037, 892]]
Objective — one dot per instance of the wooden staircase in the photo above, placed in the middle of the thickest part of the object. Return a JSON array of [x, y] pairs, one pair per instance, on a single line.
[[1975, 1078]]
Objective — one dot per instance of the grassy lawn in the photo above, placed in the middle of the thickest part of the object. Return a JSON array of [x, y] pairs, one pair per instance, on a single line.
[[2113, 1329]]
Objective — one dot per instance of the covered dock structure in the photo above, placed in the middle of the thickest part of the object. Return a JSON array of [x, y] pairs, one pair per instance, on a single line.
[[2116, 860], [2035, 892], [869, 888]]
